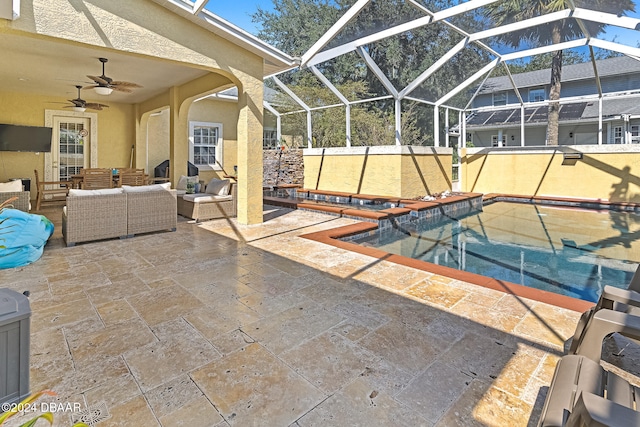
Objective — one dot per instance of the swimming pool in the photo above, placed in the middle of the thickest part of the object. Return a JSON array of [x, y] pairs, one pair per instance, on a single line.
[[566, 250]]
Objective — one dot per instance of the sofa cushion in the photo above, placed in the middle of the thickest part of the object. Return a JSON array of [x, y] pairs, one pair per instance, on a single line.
[[182, 182], [11, 186], [218, 187], [203, 198], [144, 188], [103, 191]]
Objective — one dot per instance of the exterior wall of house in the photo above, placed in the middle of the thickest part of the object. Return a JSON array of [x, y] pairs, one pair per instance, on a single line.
[[607, 172], [226, 113], [618, 83], [397, 171], [569, 134], [157, 140]]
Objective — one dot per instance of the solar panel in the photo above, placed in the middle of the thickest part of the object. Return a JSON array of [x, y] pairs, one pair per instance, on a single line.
[[479, 118], [515, 117], [499, 117], [572, 111], [539, 115]]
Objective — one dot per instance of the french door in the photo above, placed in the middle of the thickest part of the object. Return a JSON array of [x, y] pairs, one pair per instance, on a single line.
[[70, 141], [73, 144]]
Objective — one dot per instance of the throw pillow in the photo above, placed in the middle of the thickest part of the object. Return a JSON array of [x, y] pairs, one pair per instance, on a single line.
[[182, 182], [219, 187], [11, 186]]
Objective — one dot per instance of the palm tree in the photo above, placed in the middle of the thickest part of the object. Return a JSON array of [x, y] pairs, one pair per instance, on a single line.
[[509, 11]]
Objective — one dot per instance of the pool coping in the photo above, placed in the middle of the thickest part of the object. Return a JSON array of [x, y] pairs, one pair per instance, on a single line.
[[372, 219], [332, 237]]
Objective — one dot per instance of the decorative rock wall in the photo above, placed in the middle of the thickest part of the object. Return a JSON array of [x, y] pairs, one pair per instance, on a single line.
[[283, 167]]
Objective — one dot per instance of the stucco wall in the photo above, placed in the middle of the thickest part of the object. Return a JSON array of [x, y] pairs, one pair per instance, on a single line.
[[115, 133], [398, 171], [226, 113], [607, 172]]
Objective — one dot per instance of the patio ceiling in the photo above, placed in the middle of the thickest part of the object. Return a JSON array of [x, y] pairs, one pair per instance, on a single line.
[[50, 68]]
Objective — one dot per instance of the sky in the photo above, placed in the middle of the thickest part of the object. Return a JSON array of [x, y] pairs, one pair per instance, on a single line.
[[239, 12]]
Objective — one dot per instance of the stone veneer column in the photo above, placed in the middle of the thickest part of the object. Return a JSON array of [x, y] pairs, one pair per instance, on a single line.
[[250, 152]]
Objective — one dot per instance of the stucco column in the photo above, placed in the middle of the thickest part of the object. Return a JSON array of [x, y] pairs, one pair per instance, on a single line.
[[250, 152], [178, 138]]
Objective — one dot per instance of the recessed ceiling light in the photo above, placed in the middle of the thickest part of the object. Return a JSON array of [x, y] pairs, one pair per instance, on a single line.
[[22, 79]]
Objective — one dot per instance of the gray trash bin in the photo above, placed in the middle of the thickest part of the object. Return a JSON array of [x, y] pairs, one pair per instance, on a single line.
[[15, 321]]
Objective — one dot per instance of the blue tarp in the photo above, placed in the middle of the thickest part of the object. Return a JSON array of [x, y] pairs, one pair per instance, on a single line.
[[22, 237]]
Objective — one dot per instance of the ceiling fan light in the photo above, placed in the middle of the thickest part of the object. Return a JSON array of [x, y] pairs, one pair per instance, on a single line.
[[79, 109], [103, 90]]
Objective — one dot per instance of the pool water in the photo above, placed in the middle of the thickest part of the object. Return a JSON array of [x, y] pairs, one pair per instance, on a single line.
[[330, 200], [569, 251]]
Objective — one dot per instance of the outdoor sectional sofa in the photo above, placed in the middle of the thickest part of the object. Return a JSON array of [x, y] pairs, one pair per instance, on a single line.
[[15, 189], [118, 212], [219, 201], [22, 203]]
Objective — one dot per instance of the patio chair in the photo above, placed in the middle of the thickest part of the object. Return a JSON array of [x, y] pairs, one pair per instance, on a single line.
[[132, 177], [582, 393], [55, 190], [615, 299], [97, 178]]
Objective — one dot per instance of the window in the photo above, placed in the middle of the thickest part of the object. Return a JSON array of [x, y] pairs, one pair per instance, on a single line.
[[500, 98], [269, 139], [635, 134], [617, 135], [205, 144], [494, 141], [536, 95]]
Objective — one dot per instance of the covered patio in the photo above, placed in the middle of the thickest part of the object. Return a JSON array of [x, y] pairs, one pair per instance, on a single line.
[[167, 55]]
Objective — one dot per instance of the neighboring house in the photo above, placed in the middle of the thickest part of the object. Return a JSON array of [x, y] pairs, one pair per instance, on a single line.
[[496, 117]]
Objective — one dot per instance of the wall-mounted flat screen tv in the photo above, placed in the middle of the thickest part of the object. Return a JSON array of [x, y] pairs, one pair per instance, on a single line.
[[25, 138]]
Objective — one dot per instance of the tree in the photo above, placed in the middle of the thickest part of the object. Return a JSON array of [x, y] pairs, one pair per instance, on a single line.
[[295, 25], [506, 12]]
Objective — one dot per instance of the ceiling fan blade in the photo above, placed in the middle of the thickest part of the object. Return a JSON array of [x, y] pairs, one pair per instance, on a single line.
[[126, 84], [121, 89], [99, 80], [95, 106]]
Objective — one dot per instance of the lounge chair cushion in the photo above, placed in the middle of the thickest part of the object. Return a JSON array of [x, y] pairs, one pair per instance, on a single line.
[[218, 187], [144, 188], [11, 186], [101, 192], [204, 198]]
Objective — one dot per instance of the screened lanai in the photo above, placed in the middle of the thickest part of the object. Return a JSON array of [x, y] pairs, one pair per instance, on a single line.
[[441, 87]]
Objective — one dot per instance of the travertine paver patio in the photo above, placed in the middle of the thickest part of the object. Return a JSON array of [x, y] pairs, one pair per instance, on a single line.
[[223, 324]]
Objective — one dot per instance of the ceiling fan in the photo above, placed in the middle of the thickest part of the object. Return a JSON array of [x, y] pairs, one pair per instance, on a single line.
[[80, 104], [105, 85]]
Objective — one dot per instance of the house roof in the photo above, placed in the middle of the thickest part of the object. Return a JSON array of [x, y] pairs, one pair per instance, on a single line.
[[606, 67]]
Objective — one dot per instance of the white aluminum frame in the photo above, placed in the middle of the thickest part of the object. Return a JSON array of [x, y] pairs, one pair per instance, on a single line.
[[316, 56]]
